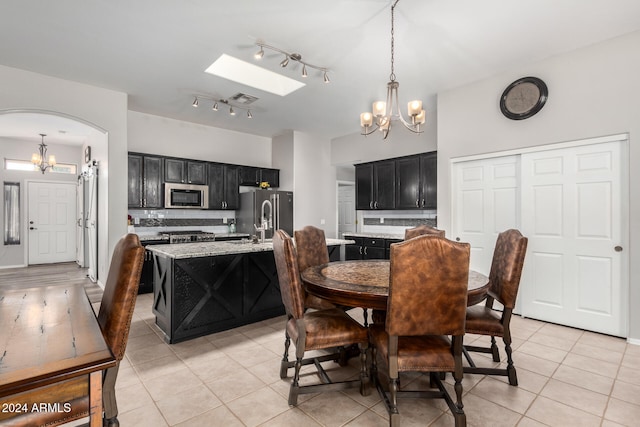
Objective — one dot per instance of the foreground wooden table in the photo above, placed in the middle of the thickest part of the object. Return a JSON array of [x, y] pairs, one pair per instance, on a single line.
[[365, 283], [52, 353]]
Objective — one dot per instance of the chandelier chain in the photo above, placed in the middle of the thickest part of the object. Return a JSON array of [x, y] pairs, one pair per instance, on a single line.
[[392, 76]]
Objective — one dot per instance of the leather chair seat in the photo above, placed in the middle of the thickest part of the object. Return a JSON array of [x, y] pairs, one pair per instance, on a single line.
[[484, 321], [328, 328], [430, 353]]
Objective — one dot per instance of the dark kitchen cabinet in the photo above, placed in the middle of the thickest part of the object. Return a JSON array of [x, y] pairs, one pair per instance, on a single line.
[[376, 185], [144, 181], [224, 192], [185, 171], [253, 176], [416, 178], [365, 248], [146, 277]]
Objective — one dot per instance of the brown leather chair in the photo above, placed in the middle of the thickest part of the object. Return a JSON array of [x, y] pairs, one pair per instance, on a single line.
[[314, 330], [504, 280], [410, 233], [427, 303], [114, 318], [312, 250]]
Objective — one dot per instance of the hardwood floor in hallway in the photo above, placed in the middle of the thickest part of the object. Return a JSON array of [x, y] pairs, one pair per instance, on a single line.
[[50, 275]]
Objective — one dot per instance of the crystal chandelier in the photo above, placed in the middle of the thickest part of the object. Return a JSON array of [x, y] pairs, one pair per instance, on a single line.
[[39, 159], [386, 112]]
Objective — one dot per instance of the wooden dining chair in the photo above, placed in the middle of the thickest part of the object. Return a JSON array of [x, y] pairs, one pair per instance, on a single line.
[[311, 247], [313, 330], [426, 304], [114, 318], [410, 233], [504, 280]]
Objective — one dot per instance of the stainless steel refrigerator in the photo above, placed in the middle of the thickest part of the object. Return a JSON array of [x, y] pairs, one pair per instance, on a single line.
[[273, 207]]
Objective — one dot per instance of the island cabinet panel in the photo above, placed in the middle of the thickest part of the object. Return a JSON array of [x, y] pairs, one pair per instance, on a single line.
[[199, 296]]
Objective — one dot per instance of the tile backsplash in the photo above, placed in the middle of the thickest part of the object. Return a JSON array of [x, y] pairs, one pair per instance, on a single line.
[[151, 221], [395, 222]]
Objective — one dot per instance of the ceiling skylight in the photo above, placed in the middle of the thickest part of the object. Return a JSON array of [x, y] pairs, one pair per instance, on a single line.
[[249, 74]]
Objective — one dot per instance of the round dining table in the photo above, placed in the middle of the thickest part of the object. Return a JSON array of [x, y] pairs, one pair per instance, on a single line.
[[365, 283]]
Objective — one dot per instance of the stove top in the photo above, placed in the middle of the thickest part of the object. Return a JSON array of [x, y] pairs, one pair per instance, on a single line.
[[187, 236]]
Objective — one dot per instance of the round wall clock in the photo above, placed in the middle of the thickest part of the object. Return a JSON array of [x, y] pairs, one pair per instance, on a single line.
[[523, 98]]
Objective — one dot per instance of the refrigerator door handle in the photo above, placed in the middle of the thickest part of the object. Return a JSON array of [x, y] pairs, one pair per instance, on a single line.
[[277, 209]]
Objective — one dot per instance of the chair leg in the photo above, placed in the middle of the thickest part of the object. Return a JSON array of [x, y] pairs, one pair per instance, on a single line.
[[365, 314], [109, 397], [284, 364], [295, 388], [365, 390], [494, 350], [511, 370], [393, 402], [459, 415]]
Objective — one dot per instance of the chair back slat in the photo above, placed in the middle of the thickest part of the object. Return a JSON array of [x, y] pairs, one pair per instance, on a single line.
[[428, 287], [120, 292], [506, 267], [288, 274]]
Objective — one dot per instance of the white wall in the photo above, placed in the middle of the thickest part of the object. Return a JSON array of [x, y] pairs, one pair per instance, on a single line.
[[103, 108], [169, 137], [355, 148], [282, 156], [592, 92]]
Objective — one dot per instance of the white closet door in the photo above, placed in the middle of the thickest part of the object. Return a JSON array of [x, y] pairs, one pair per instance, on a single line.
[[572, 215], [486, 203]]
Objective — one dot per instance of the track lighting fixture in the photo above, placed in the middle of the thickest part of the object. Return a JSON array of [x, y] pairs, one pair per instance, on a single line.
[[215, 105], [296, 57]]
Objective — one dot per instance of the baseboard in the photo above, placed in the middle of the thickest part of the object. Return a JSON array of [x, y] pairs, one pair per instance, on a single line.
[[2, 267], [634, 341]]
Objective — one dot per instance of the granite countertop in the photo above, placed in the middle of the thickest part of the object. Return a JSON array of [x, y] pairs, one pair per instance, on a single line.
[[205, 249], [376, 235]]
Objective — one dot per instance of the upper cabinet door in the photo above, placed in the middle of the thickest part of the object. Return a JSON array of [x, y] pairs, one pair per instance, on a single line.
[[196, 173], [408, 182], [134, 181], [384, 184], [429, 180], [152, 171], [364, 186], [174, 170]]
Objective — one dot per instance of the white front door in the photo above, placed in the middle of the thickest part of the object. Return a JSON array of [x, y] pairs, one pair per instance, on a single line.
[[572, 215], [51, 222], [486, 202]]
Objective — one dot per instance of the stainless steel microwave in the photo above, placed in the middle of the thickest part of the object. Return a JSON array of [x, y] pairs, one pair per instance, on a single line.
[[186, 196]]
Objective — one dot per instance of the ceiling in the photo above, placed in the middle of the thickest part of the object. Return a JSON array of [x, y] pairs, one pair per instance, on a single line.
[[157, 50]]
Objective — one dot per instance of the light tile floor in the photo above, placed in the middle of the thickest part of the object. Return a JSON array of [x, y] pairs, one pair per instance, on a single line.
[[567, 377]]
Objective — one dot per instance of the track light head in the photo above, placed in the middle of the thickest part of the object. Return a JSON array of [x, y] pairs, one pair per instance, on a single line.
[[215, 106], [285, 61], [195, 102], [304, 70], [231, 111], [259, 54], [249, 115], [326, 78]]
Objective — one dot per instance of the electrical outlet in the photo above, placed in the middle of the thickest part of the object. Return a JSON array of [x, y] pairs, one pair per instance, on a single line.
[[322, 221], [381, 220], [136, 220], [224, 220]]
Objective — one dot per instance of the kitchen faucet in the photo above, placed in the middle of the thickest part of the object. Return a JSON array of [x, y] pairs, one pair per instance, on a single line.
[[266, 224]]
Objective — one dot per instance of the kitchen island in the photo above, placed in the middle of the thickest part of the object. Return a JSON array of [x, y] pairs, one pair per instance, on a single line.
[[205, 287]]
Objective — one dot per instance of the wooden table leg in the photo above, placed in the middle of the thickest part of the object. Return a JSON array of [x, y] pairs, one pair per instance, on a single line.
[[95, 399]]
